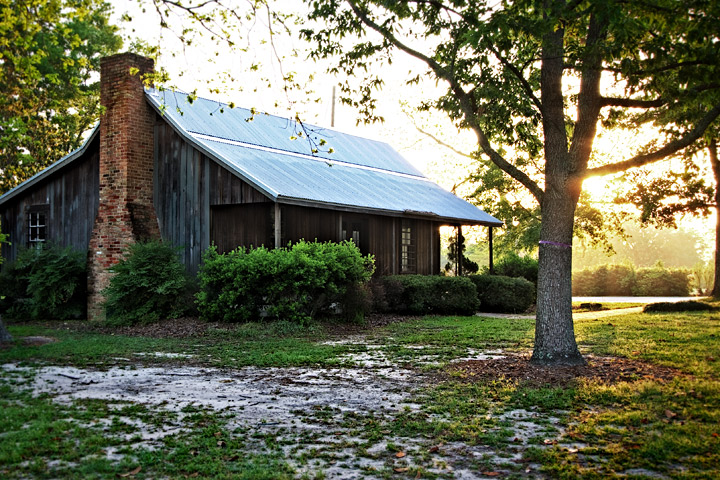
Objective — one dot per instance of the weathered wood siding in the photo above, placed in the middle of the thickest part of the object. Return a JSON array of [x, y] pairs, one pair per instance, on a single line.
[[247, 225], [380, 235], [189, 189], [71, 196]]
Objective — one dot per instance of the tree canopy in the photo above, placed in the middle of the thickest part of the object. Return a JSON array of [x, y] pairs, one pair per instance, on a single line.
[[50, 54], [533, 80]]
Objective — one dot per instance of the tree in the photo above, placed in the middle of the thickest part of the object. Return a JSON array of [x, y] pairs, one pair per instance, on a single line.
[[525, 78], [50, 54], [681, 94]]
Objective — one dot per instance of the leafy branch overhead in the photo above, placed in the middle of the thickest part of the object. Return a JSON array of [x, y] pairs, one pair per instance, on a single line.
[[50, 51]]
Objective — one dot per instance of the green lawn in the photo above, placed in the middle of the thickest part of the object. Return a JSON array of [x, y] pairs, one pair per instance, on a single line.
[[646, 428]]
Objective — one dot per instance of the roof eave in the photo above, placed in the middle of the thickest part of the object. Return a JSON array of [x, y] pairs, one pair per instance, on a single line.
[[302, 202]]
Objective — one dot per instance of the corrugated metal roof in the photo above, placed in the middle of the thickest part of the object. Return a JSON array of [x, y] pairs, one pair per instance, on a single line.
[[360, 173]]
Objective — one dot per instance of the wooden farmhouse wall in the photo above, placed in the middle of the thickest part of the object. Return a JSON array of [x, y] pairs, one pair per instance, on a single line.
[[69, 197], [199, 202], [190, 189]]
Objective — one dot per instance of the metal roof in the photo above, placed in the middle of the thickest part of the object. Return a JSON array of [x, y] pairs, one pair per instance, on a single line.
[[360, 173], [64, 161]]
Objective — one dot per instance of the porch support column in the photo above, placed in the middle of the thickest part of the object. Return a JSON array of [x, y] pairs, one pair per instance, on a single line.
[[278, 226], [490, 255], [459, 251]]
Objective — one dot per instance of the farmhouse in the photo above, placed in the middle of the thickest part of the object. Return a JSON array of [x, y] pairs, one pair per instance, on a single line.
[[196, 173]]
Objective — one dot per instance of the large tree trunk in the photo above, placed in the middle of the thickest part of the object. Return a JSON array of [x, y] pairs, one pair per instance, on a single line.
[[554, 331], [4, 334], [716, 173]]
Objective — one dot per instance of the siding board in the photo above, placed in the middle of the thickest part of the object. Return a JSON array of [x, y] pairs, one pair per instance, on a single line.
[[72, 195]]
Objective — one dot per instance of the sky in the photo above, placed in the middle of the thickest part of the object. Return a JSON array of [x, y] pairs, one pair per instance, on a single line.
[[226, 76]]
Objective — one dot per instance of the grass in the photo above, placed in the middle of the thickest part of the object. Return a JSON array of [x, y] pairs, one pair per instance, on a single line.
[[633, 429], [606, 306]]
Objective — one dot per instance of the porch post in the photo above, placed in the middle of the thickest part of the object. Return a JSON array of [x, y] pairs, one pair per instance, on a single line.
[[459, 251], [492, 269]]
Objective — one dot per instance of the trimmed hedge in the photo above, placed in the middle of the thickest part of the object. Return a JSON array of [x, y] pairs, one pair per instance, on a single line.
[[686, 306], [423, 295], [295, 283], [502, 294], [625, 280], [45, 283], [149, 284]]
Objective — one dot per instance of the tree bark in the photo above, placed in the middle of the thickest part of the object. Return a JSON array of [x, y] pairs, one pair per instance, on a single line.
[[715, 162], [554, 331], [4, 334]]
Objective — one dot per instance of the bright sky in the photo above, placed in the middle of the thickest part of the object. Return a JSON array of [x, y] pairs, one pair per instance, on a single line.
[[198, 67]]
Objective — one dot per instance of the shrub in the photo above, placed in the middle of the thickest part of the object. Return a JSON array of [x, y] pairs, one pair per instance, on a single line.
[[149, 284], [513, 265], [46, 282], [686, 306], [604, 281], [503, 294], [662, 282], [295, 283], [624, 280], [420, 294]]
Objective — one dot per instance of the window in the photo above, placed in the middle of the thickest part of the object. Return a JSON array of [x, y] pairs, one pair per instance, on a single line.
[[408, 260], [353, 234], [37, 226]]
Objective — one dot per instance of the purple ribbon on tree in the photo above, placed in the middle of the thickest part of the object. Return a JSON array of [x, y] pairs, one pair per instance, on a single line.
[[557, 244]]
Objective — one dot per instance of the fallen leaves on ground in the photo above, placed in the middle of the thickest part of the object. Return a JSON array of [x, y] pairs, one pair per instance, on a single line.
[[608, 370]]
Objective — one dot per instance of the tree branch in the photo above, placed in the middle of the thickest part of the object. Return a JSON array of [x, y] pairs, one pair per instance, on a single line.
[[465, 102], [631, 103], [664, 152], [521, 78]]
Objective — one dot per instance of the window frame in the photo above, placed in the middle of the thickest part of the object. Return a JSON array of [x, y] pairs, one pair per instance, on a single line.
[[408, 247], [38, 228]]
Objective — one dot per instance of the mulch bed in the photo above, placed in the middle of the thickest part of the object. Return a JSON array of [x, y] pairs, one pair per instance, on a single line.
[[609, 370]]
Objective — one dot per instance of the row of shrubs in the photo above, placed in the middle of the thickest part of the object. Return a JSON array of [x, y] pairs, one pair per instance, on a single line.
[[626, 280], [297, 283]]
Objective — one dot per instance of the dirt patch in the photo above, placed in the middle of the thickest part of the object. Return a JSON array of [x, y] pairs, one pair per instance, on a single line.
[[608, 370], [37, 341]]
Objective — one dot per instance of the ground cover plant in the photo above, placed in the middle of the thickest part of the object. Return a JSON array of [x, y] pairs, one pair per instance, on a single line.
[[415, 397]]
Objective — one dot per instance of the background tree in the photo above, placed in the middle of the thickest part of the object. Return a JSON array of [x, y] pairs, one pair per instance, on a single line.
[[525, 78], [50, 54], [681, 93]]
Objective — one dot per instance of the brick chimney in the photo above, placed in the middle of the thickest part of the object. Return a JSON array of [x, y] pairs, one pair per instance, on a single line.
[[125, 213]]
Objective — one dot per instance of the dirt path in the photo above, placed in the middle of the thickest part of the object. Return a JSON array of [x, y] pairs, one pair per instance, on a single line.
[[346, 422], [576, 316]]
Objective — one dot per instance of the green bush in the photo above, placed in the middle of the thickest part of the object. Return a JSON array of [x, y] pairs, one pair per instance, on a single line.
[[504, 294], [686, 306], [45, 283], [659, 281], [624, 280], [420, 295], [295, 283], [513, 265], [149, 284], [605, 281]]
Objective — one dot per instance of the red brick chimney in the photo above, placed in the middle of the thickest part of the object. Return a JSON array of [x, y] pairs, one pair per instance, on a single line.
[[125, 213]]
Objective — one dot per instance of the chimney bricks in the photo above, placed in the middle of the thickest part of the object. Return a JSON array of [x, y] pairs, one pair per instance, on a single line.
[[125, 212]]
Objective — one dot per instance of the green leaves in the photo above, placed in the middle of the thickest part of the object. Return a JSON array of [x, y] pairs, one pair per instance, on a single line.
[[49, 52]]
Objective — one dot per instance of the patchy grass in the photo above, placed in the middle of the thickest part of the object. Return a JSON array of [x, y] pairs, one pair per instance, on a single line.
[[639, 429], [263, 344], [688, 341]]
